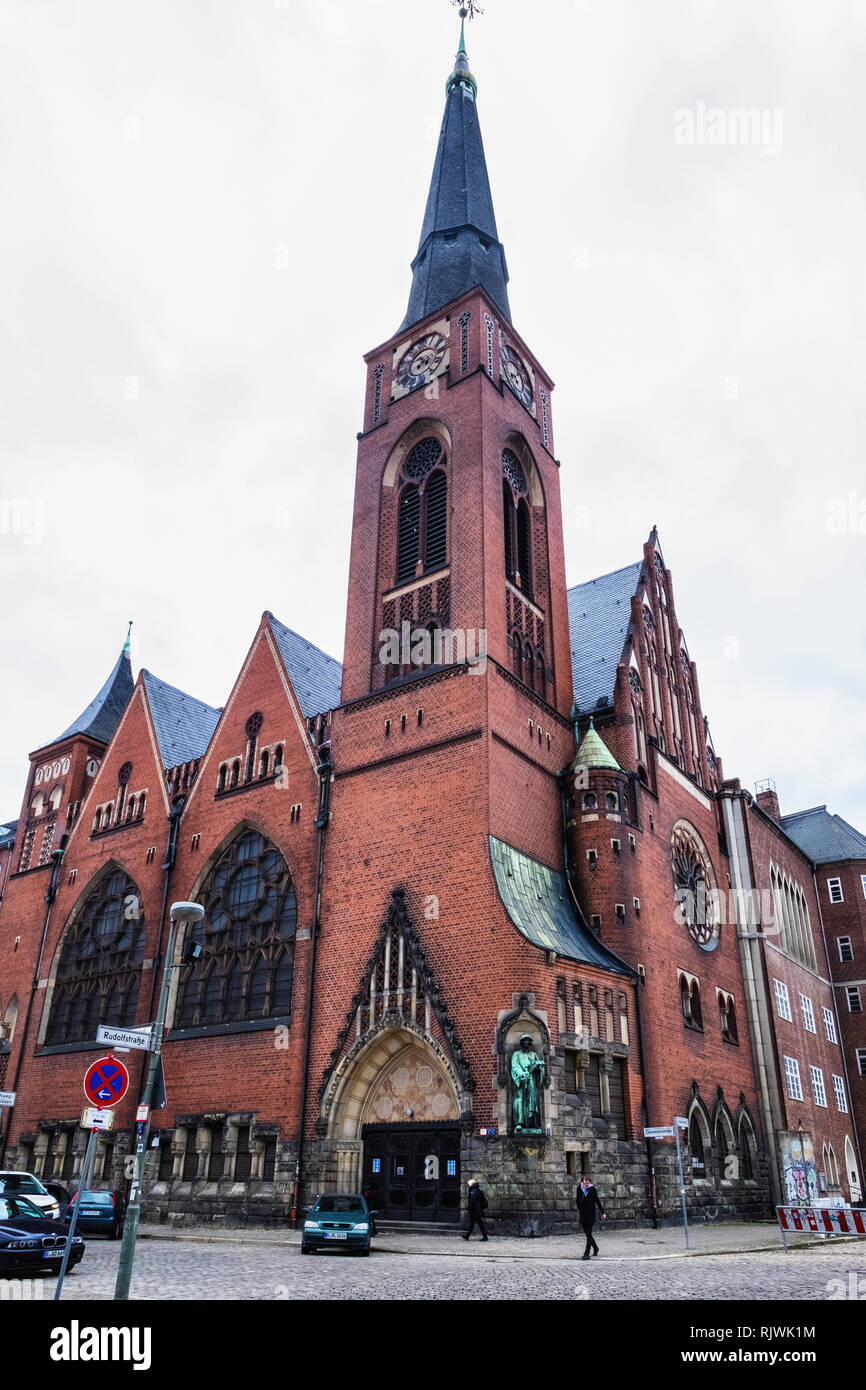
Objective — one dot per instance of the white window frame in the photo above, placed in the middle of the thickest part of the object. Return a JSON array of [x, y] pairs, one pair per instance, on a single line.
[[808, 1013], [850, 945], [783, 1000], [861, 1060], [854, 990], [841, 1098], [830, 1025], [863, 883], [837, 889], [819, 1091], [792, 1077]]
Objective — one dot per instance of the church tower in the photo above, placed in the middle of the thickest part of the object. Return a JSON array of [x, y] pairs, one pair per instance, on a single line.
[[457, 525], [449, 931]]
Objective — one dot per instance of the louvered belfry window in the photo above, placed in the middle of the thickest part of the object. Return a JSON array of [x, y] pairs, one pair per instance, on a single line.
[[99, 971], [422, 524], [247, 938], [517, 522]]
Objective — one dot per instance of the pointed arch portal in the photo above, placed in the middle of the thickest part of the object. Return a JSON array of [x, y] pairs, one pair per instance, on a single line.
[[393, 1119]]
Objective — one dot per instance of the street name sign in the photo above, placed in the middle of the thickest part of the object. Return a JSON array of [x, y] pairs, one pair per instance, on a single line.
[[659, 1132], [140, 1039], [681, 1121], [7, 1097]]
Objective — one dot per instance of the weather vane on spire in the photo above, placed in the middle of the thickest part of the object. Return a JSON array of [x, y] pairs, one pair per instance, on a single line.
[[468, 8]]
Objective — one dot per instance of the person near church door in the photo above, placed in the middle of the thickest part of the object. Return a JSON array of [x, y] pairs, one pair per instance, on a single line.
[[588, 1203], [477, 1208]]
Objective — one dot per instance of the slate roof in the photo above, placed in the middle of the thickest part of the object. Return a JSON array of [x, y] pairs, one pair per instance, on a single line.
[[184, 726], [104, 712], [316, 677], [459, 246], [539, 904], [7, 833], [598, 617], [825, 838]]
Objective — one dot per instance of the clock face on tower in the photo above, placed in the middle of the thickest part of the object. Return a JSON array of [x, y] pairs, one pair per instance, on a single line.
[[516, 373], [424, 360]]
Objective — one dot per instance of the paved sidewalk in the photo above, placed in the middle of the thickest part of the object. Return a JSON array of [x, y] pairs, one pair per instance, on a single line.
[[709, 1238]]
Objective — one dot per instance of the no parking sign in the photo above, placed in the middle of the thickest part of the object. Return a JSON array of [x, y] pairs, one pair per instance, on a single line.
[[106, 1082]]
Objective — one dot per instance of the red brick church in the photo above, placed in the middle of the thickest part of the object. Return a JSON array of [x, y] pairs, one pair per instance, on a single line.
[[500, 829]]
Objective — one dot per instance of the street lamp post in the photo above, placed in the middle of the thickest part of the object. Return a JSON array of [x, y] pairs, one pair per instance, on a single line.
[[181, 914]]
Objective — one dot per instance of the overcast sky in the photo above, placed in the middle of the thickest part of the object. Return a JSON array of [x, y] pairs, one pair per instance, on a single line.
[[209, 211]]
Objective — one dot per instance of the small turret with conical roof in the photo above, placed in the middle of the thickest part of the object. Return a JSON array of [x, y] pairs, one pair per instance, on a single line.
[[61, 770]]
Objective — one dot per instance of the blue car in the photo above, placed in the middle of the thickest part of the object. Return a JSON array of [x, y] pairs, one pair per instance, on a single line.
[[100, 1212], [338, 1221]]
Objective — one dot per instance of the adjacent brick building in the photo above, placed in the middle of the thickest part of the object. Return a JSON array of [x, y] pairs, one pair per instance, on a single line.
[[500, 827]]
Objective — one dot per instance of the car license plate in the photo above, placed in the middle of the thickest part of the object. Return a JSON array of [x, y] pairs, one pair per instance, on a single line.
[[335, 1235], [52, 1254], [91, 1213]]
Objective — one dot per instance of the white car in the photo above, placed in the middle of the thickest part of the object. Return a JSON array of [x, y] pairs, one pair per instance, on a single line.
[[28, 1185]]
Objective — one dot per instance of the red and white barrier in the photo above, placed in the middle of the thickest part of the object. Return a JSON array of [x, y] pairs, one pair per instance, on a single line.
[[821, 1221]]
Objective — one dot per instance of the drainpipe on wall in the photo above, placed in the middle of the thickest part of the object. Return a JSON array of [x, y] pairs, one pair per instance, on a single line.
[[50, 895], [170, 856], [324, 771], [854, 1129], [760, 1028]]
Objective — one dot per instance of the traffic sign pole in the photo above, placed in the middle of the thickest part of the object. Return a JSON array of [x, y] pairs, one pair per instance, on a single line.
[[682, 1184], [82, 1187], [180, 912]]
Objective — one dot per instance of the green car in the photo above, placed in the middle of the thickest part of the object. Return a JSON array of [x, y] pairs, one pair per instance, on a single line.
[[338, 1221]]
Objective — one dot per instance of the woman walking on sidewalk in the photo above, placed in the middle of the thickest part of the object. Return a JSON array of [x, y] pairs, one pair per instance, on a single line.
[[588, 1201]]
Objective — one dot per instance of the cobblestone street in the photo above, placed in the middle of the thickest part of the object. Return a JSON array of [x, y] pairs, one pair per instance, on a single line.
[[642, 1265]]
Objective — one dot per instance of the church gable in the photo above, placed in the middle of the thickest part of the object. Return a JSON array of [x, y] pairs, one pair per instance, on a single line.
[[398, 990], [129, 781], [262, 735]]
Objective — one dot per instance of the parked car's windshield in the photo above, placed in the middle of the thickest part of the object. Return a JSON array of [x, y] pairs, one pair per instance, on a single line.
[[12, 1208], [341, 1202], [21, 1182], [94, 1199]]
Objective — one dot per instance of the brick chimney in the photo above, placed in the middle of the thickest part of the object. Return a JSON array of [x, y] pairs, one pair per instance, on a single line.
[[767, 799]]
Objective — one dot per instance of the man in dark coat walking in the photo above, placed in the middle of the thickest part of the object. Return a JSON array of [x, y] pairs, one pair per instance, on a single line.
[[477, 1208], [588, 1202]]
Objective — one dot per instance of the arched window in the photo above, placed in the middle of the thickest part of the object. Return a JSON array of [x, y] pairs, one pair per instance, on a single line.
[[55, 798], [727, 1160], [422, 511], [697, 1016], [221, 780], [540, 674], [247, 938], [747, 1147], [265, 761], [236, 772], [590, 801], [696, 1146], [517, 523], [611, 801], [37, 804], [517, 646], [253, 729], [99, 970]]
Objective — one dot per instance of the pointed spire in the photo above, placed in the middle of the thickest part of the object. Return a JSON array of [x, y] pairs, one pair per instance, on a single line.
[[461, 73], [459, 246], [127, 646], [102, 716]]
